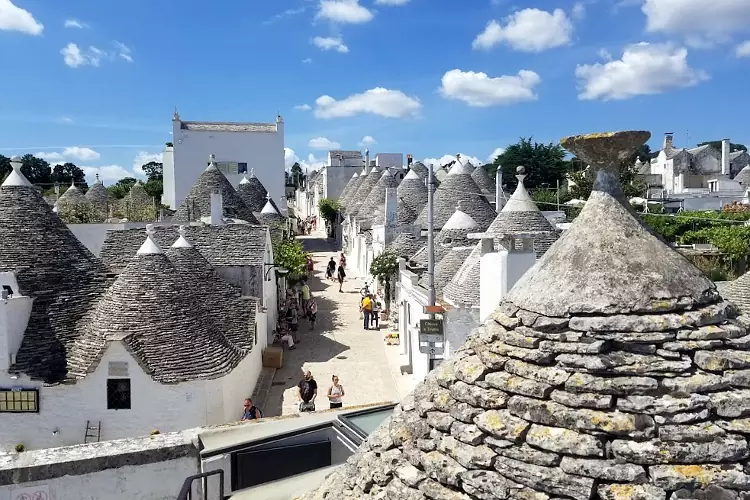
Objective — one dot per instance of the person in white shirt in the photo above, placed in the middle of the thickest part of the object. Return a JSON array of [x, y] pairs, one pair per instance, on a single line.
[[335, 393], [375, 314]]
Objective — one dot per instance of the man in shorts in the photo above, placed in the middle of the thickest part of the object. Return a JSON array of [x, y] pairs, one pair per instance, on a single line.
[[307, 390]]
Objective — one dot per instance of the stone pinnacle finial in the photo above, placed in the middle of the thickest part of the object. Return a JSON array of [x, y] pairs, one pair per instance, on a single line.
[[520, 173], [97, 177], [458, 206], [212, 158], [268, 196], [150, 230], [182, 231]]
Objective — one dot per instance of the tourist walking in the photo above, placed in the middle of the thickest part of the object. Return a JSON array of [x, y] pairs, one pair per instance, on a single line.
[[305, 294], [342, 260], [313, 313], [375, 317], [366, 310], [310, 267], [331, 270], [341, 276], [335, 393], [307, 390]]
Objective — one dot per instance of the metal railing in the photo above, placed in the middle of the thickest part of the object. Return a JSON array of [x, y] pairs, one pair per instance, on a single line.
[[186, 493]]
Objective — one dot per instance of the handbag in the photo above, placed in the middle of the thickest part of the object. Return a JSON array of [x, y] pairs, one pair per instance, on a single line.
[[306, 406]]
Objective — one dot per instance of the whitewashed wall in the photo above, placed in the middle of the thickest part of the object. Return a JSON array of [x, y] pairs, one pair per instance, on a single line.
[[262, 151], [157, 481]]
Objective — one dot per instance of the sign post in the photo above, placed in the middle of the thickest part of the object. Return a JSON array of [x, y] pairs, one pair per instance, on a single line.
[[431, 337]]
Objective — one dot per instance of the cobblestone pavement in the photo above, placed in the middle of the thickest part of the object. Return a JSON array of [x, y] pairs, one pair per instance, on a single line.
[[339, 345]]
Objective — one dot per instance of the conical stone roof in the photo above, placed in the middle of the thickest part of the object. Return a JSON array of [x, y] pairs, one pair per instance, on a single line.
[[738, 291], [520, 217], [486, 185], [743, 177], [450, 262], [413, 191], [458, 186], [72, 196], [453, 234], [348, 187], [405, 244], [51, 266], [463, 288], [420, 169], [197, 203], [470, 167], [138, 195], [99, 197], [594, 397], [365, 188], [269, 215], [346, 200], [155, 309], [253, 193], [376, 200], [404, 214]]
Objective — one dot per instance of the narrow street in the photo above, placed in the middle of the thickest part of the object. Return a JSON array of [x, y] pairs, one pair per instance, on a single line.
[[338, 346]]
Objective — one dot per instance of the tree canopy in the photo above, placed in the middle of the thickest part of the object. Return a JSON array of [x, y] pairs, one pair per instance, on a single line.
[[545, 164]]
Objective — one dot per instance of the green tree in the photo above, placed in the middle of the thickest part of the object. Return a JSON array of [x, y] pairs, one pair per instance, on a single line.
[[384, 268], [290, 254], [545, 164], [67, 172], [329, 209], [154, 188], [5, 167], [122, 187], [296, 175], [36, 170], [153, 170]]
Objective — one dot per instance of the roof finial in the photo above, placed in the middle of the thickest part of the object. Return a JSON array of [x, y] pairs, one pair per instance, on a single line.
[[150, 231], [268, 196], [458, 206], [72, 183], [176, 115], [16, 177], [97, 178], [182, 242], [149, 246], [252, 171], [520, 173]]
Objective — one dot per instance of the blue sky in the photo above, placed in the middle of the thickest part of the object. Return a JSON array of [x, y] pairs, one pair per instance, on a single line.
[[96, 82]]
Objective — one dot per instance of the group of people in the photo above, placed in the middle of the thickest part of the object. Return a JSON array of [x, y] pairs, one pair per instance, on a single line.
[[337, 274], [370, 308], [307, 391], [300, 302], [306, 226]]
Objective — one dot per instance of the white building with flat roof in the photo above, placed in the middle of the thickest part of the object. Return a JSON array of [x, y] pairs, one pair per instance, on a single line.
[[239, 149]]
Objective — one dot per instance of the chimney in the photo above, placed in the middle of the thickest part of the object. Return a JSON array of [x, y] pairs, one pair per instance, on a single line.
[[409, 160], [668, 141], [367, 158], [499, 197], [217, 209], [725, 156]]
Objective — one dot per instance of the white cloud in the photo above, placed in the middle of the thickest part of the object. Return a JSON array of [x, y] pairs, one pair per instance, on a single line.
[[330, 43], [395, 3], [303, 107], [495, 153], [480, 90], [66, 119], [377, 101], [579, 11], [310, 163], [698, 21], [109, 174], [323, 143], [344, 11], [123, 51], [75, 56], [13, 18], [743, 49], [368, 140], [446, 159], [528, 30], [644, 69], [143, 157], [75, 23], [307, 61], [70, 153]]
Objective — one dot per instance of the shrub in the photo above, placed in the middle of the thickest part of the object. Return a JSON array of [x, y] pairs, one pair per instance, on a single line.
[[20, 448], [329, 209]]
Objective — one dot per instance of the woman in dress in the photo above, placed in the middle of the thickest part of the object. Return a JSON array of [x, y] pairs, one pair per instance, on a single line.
[[335, 393]]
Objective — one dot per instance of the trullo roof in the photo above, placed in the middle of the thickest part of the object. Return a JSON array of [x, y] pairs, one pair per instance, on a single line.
[[254, 193], [355, 183], [51, 266], [628, 390], [197, 203], [365, 187], [375, 201]]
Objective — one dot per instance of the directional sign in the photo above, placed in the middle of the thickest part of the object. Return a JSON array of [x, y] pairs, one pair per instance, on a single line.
[[432, 350], [431, 326], [430, 338]]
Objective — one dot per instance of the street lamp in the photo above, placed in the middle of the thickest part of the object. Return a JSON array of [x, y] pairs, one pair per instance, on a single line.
[[280, 271]]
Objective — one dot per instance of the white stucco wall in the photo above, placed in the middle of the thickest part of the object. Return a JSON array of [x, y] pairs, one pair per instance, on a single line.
[[93, 235], [157, 481], [499, 271], [262, 151]]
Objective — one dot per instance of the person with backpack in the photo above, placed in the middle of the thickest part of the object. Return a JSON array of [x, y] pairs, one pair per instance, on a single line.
[[251, 412], [366, 310], [375, 317], [312, 313], [331, 270]]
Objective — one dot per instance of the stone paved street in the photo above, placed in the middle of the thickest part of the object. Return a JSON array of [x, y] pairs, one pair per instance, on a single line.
[[339, 345]]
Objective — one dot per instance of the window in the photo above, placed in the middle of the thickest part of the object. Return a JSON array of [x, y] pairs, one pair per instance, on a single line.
[[19, 401], [118, 394], [242, 168], [228, 167]]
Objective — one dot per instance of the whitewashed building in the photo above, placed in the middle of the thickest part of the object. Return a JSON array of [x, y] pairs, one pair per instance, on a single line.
[[239, 148], [87, 354]]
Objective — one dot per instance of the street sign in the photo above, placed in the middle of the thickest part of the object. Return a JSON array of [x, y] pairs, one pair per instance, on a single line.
[[432, 350], [430, 338], [437, 309], [431, 326]]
